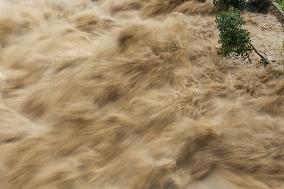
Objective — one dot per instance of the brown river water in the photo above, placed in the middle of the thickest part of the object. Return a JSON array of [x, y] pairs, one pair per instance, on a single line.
[[131, 94]]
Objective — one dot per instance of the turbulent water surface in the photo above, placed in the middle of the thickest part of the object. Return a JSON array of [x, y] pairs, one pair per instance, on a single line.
[[131, 94]]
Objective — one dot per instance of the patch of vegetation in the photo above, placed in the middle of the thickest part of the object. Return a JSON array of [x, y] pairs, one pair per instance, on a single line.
[[261, 6], [281, 3], [235, 41], [226, 4]]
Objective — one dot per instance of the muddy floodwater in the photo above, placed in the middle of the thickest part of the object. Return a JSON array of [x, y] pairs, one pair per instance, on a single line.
[[131, 94]]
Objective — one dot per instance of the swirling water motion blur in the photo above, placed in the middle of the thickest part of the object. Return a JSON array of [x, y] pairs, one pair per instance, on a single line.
[[131, 94]]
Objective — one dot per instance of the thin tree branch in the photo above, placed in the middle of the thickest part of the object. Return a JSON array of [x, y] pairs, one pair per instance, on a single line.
[[263, 59]]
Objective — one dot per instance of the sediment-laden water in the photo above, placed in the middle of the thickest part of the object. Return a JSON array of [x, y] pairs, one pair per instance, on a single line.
[[131, 94]]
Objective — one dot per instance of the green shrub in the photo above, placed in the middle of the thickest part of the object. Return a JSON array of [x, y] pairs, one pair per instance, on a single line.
[[226, 4], [281, 3], [260, 6], [235, 41]]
